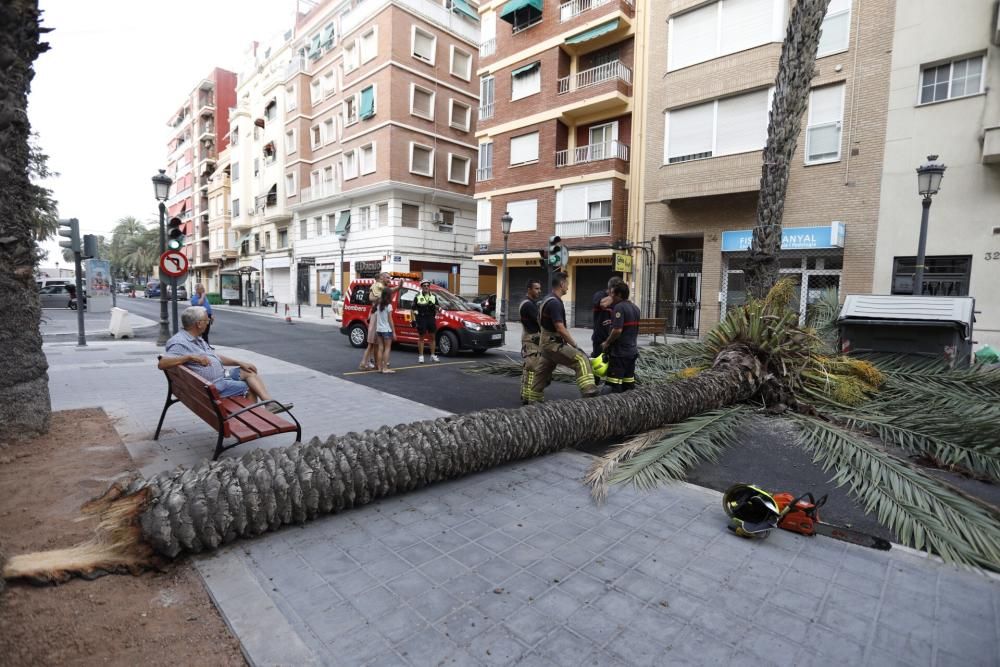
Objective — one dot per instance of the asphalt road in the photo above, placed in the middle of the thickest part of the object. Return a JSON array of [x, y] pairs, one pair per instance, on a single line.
[[766, 455]]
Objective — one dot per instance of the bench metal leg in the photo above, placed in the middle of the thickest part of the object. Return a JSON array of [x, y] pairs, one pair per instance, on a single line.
[[218, 447], [163, 414]]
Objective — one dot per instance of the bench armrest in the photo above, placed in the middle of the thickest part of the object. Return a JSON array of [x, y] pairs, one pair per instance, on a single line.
[[259, 404]]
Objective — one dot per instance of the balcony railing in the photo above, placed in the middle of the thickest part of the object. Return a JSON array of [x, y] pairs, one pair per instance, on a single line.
[[295, 65], [483, 236], [615, 69], [484, 173], [594, 152], [572, 9], [488, 47], [263, 201], [590, 227], [323, 189], [486, 111]]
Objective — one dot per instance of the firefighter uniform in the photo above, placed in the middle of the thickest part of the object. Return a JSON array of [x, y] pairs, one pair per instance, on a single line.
[[624, 351], [556, 351], [531, 353]]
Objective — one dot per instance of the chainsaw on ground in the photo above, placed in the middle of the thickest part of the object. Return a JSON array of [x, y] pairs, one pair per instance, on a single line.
[[754, 512]]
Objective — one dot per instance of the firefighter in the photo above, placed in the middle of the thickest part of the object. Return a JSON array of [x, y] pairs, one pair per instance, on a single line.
[[602, 315], [426, 306], [558, 346], [530, 351], [622, 345]]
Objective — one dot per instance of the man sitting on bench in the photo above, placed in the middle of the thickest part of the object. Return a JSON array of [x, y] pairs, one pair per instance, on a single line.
[[187, 347]]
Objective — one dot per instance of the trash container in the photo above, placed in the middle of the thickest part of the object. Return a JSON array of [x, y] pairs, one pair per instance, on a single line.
[[120, 327], [920, 326]]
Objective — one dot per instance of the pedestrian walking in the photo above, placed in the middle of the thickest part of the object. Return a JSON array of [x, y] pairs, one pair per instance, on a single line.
[[374, 295], [426, 306], [530, 337], [622, 345], [601, 323], [199, 298], [558, 346], [385, 331]]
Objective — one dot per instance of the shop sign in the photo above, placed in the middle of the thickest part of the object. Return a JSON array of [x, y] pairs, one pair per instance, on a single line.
[[368, 268], [623, 263], [792, 238], [310, 261], [591, 261]]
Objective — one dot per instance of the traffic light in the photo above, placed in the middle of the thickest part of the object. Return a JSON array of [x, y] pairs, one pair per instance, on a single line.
[[558, 255], [90, 246], [71, 230], [175, 235]]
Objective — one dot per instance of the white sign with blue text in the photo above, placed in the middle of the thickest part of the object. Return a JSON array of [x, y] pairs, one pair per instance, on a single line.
[[792, 238]]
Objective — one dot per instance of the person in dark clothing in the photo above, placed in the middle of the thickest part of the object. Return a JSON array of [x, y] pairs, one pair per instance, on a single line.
[[530, 350], [601, 325], [558, 346], [426, 306], [622, 344]]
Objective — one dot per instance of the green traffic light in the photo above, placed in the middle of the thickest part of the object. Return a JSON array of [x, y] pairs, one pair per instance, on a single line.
[[175, 244]]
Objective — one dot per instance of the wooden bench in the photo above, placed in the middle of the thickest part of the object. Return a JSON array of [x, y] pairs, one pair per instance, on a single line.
[[657, 326], [235, 417]]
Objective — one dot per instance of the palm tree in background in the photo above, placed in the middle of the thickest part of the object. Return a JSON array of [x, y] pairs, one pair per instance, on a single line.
[[140, 252]]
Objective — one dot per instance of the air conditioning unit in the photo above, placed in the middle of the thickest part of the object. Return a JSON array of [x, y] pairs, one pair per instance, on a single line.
[[437, 217]]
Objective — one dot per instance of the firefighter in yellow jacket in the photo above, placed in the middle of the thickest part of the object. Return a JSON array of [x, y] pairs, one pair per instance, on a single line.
[[558, 346]]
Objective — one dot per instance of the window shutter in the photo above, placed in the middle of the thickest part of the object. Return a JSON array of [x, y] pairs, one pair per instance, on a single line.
[[484, 209], [742, 123], [524, 215], [524, 148], [411, 215], [571, 203], [423, 46], [526, 81], [368, 102], [825, 104], [457, 169], [421, 160], [422, 101], [694, 36], [461, 62], [690, 132], [836, 27], [824, 131], [746, 23]]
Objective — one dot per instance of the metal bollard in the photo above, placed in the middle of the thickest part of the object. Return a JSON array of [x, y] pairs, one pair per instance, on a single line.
[[300, 311]]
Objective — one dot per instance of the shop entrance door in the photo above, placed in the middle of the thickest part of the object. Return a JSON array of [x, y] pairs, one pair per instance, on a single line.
[[686, 311]]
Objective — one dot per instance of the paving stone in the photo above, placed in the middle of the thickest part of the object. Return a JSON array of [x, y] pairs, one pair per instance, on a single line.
[[314, 602], [583, 587], [353, 583], [529, 626], [496, 646], [948, 659], [419, 553], [442, 569], [523, 555], [618, 604], [374, 602], [497, 541], [357, 646], [335, 622], [803, 606], [497, 606], [834, 647], [464, 625], [574, 554], [526, 587], [410, 585], [913, 644], [435, 605], [658, 623], [693, 647], [467, 586], [557, 604], [625, 554], [426, 648], [399, 623], [471, 555], [447, 542], [566, 648], [597, 626], [386, 568], [473, 530], [497, 570], [636, 649], [694, 582]]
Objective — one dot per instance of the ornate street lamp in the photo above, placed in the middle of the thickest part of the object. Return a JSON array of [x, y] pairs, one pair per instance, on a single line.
[[929, 177], [342, 239], [161, 189], [505, 222], [263, 251]]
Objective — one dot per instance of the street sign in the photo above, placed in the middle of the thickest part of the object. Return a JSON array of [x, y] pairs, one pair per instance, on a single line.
[[623, 262], [173, 263]]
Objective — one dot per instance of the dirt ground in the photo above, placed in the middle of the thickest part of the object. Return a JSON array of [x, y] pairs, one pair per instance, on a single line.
[[154, 619]]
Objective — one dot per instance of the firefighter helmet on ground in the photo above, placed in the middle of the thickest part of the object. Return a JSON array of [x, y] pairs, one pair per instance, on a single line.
[[600, 365], [752, 511]]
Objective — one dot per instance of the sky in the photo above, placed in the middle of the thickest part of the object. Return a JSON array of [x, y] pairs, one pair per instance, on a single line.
[[115, 73]]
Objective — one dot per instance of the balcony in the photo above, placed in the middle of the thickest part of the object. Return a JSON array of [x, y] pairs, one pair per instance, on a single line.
[[484, 174], [609, 150], [295, 66], [486, 111], [570, 10], [723, 175], [320, 191], [582, 228], [206, 106], [991, 145], [488, 47], [207, 132], [614, 70], [434, 12]]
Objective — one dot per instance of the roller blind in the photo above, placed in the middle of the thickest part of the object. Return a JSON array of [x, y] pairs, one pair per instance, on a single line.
[[527, 81], [693, 36], [421, 160], [423, 46], [422, 101], [826, 104], [573, 201], [836, 28], [524, 214], [484, 211], [745, 23], [742, 123], [689, 132], [524, 148]]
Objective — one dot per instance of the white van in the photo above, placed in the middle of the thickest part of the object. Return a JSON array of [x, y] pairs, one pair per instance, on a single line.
[[45, 282]]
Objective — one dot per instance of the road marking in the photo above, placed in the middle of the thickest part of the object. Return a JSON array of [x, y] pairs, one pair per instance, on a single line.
[[405, 368]]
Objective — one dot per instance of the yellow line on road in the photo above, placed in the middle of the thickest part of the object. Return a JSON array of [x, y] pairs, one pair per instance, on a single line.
[[405, 368]]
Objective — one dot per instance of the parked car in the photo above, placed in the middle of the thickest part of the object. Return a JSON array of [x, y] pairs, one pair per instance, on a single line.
[[152, 289], [488, 303], [182, 292], [54, 296], [458, 327], [471, 305], [45, 282]]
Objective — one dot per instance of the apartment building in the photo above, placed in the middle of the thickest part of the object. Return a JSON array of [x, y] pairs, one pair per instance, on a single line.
[[197, 132], [222, 246], [706, 93], [944, 100], [555, 124], [379, 139], [260, 218]]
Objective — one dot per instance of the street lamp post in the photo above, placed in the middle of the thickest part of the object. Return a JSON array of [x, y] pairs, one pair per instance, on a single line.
[[340, 269], [263, 251], [929, 177], [505, 222], [161, 188]]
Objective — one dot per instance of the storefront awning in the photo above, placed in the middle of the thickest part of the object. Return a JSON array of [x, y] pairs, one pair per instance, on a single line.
[[462, 7], [602, 29], [525, 69], [243, 239], [521, 11], [367, 102], [344, 224]]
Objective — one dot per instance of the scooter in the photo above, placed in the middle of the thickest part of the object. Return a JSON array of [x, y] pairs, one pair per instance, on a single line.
[[268, 300]]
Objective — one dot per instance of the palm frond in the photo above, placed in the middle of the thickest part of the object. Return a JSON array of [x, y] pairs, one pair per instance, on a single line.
[[933, 375], [923, 512], [822, 315], [600, 472], [696, 439]]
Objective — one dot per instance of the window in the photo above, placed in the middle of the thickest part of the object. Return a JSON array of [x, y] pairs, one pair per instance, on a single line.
[[235, 171], [836, 28], [943, 276], [484, 172], [459, 115], [383, 215], [236, 208], [526, 81], [256, 241], [350, 162], [524, 214], [461, 63], [722, 127], [318, 225], [458, 169], [369, 45], [316, 92], [331, 224], [234, 136], [290, 141], [314, 180], [487, 95], [270, 110], [423, 45], [267, 240], [950, 80], [411, 216], [290, 185], [282, 238], [350, 56], [421, 159], [364, 219], [826, 109], [584, 201], [367, 107], [329, 82], [328, 175], [599, 209], [722, 28], [350, 110], [329, 131], [291, 98], [524, 149], [367, 159], [327, 38], [447, 219], [303, 229], [421, 102], [316, 136]]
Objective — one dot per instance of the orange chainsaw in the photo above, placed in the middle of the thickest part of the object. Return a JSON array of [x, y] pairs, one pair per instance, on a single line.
[[801, 515]]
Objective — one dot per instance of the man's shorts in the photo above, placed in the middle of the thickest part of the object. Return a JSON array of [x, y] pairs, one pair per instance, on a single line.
[[426, 325], [231, 385]]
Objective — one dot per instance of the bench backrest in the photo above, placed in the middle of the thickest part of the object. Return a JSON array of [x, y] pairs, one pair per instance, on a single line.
[[199, 395]]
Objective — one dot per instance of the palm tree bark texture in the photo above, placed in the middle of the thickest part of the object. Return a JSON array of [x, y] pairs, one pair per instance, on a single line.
[[24, 386], [791, 95], [199, 509]]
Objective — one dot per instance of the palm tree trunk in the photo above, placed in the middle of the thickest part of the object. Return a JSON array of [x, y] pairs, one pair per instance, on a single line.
[[198, 509], [791, 94], [24, 383]]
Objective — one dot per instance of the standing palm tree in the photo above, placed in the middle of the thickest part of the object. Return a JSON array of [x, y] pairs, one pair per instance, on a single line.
[[24, 391], [126, 228], [139, 253], [791, 94]]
